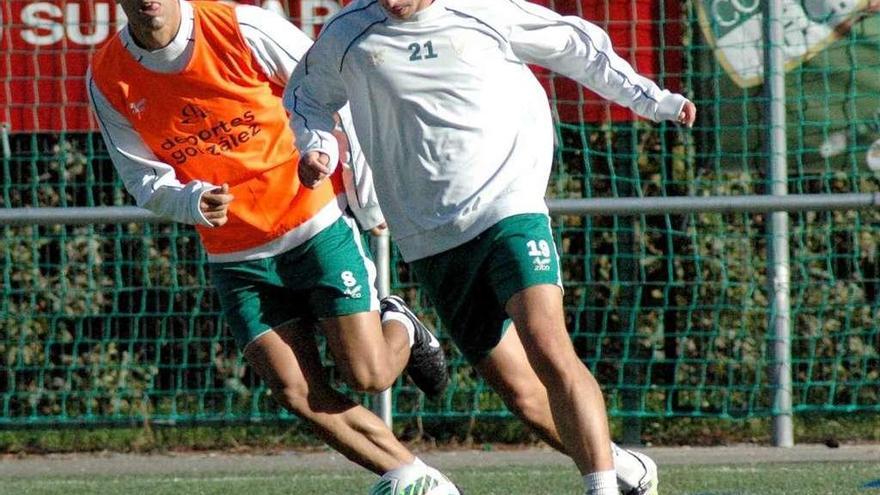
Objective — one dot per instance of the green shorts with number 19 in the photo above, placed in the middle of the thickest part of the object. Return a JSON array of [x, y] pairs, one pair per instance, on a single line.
[[471, 283]]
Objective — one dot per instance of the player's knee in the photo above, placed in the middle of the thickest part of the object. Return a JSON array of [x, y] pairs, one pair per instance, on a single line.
[[307, 402], [294, 398], [369, 387], [555, 369], [369, 379], [372, 383], [549, 348]]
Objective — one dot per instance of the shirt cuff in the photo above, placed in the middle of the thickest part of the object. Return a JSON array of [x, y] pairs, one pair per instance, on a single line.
[[368, 217], [324, 142], [199, 188], [670, 107]]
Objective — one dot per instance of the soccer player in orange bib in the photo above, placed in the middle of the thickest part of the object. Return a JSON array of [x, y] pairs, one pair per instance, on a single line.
[[188, 100]]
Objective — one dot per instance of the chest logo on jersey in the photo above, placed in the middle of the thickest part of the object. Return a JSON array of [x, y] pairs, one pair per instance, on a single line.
[[458, 45], [192, 114], [137, 107], [216, 139], [377, 57]]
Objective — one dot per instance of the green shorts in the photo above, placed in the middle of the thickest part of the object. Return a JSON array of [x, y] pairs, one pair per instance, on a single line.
[[471, 283], [329, 275]]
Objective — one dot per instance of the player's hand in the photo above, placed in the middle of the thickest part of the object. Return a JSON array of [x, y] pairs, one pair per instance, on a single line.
[[688, 114], [313, 168], [378, 229], [215, 205]]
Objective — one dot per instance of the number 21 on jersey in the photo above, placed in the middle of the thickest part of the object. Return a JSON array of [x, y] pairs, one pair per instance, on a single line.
[[421, 51]]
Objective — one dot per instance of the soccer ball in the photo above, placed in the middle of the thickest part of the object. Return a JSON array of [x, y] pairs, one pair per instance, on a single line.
[[414, 480]]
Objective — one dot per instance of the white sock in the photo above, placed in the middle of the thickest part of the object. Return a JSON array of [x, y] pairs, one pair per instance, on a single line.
[[630, 469], [601, 483], [416, 462], [410, 329]]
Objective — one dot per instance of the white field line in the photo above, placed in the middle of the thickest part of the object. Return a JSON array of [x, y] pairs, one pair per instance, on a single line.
[[156, 479]]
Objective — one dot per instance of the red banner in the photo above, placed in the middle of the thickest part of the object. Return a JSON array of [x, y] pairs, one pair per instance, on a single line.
[[46, 45], [44, 53], [645, 33]]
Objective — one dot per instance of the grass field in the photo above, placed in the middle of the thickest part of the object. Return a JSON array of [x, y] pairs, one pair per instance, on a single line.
[[805, 478]]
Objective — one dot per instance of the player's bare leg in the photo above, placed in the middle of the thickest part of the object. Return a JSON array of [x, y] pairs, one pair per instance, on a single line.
[[288, 361], [507, 370], [369, 355], [576, 402]]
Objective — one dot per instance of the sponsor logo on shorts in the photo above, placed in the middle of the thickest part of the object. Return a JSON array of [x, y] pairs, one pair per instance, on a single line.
[[541, 264]]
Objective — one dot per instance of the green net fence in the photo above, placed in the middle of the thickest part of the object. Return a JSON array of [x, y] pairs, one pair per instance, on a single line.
[[112, 324]]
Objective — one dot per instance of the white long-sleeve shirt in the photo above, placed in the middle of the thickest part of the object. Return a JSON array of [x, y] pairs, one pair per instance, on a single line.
[[278, 46], [454, 124]]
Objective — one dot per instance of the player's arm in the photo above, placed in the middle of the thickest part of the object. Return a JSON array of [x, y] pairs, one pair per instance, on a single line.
[[314, 94], [151, 182], [582, 51], [358, 177]]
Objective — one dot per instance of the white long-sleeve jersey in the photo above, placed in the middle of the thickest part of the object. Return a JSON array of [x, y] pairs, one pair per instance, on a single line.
[[454, 124], [278, 47]]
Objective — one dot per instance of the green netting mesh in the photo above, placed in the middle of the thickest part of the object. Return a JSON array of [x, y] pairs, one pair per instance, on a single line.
[[118, 323]]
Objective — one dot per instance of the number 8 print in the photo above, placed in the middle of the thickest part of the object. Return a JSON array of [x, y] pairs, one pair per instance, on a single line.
[[348, 279]]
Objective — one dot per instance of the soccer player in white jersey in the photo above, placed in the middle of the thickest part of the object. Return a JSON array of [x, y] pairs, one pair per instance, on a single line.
[[188, 99], [460, 138]]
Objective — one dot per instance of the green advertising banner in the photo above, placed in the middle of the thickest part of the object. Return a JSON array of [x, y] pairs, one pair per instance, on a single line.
[[734, 30], [832, 53]]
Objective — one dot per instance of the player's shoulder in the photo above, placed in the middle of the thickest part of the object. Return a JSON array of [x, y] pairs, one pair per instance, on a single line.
[[350, 21], [254, 19], [104, 55], [482, 9], [252, 14], [248, 12], [358, 7]]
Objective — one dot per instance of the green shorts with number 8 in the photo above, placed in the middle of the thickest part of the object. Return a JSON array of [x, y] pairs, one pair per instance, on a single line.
[[471, 283], [329, 275]]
